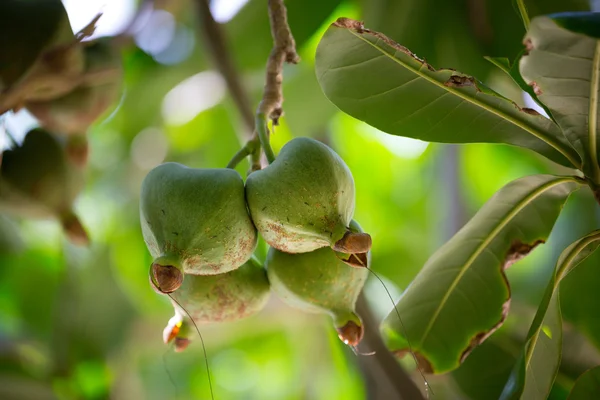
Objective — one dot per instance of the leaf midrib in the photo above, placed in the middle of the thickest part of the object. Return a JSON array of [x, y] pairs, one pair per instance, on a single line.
[[593, 112], [484, 244], [538, 134]]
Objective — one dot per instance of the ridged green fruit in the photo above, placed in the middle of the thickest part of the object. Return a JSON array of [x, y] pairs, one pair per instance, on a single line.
[[320, 282], [226, 297], [194, 221], [37, 180], [304, 200], [76, 111]]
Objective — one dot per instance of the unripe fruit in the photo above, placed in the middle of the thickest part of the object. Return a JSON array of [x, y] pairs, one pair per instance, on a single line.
[[37, 180], [304, 200], [40, 57], [194, 221], [27, 29], [74, 112], [226, 297], [319, 282]]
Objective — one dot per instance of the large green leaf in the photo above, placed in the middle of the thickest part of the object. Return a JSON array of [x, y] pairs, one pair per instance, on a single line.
[[534, 374], [373, 79], [462, 295], [587, 386], [564, 69], [483, 374]]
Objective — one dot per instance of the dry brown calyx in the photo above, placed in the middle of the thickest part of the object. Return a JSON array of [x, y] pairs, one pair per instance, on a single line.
[[165, 278], [353, 243], [74, 229], [351, 333], [181, 344], [359, 260]]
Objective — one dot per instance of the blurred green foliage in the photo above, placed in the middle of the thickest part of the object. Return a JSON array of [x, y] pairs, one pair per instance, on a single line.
[[84, 323]]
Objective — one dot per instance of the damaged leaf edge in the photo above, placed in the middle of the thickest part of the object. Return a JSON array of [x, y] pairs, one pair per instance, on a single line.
[[565, 264], [517, 251], [459, 80]]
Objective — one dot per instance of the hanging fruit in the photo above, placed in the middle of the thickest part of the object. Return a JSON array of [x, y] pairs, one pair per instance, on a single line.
[[40, 57], [304, 200], [74, 112], [216, 298], [37, 180], [194, 221], [320, 282]]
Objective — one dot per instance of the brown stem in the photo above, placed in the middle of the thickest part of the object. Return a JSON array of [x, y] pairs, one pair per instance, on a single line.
[[270, 107], [284, 51], [385, 378]]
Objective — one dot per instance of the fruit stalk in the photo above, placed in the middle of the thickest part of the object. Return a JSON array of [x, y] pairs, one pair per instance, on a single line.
[[284, 51]]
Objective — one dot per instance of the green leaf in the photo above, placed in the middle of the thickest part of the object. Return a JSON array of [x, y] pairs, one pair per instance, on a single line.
[[533, 376], [587, 386], [373, 79], [514, 73], [563, 67], [483, 374], [461, 296]]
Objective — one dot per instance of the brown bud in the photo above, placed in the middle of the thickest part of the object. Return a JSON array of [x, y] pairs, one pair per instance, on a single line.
[[75, 230], [181, 344], [166, 278], [351, 333], [354, 243]]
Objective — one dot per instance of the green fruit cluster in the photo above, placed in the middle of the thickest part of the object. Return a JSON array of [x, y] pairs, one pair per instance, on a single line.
[[201, 226], [67, 83]]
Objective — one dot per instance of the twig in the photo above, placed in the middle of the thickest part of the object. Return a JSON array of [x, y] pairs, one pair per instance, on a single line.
[[270, 107], [216, 43], [284, 51]]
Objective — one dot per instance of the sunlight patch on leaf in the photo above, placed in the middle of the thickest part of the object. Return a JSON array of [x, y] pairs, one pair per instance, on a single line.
[[547, 331]]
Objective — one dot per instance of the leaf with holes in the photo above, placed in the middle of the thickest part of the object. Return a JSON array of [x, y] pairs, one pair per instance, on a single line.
[[587, 386], [370, 77], [563, 67], [533, 376], [461, 295]]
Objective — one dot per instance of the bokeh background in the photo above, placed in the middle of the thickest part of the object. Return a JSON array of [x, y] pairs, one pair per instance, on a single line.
[[84, 324]]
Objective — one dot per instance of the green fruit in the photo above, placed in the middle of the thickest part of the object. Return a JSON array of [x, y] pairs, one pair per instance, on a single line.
[[27, 29], [74, 112], [226, 297], [37, 180], [194, 221], [40, 57], [319, 282], [305, 200]]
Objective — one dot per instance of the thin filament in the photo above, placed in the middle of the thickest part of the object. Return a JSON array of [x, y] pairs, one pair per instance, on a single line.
[[427, 387], [164, 357], [212, 395]]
